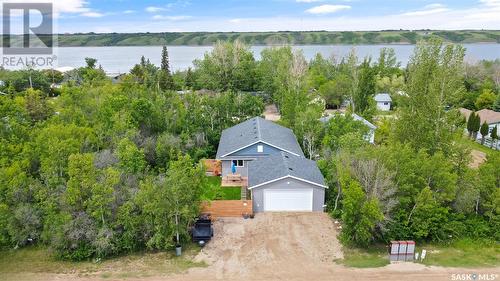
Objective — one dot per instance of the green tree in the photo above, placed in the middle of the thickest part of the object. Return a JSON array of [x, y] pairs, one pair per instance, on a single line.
[[190, 79], [229, 66], [428, 217], [484, 131], [166, 82], [131, 157], [308, 129], [82, 178], [99, 203], [485, 100], [435, 78], [90, 62], [494, 136], [387, 64], [365, 105], [171, 203], [359, 214], [470, 123], [476, 126], [334, 91]]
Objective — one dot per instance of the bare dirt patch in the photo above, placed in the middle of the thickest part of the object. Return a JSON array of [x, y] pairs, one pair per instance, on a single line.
[[276, 241], [271, 113], [478, 157]]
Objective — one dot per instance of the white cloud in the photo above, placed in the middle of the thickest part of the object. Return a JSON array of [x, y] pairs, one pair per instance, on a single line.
[[309, 1], [430, 9], [491, 3], [327, 9], [129, 11], [61, 7], [483, 15], [153, 9], [92, 14], [171, 18]]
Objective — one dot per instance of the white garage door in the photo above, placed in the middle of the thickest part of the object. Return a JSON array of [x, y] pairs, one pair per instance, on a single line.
[[288, 199]]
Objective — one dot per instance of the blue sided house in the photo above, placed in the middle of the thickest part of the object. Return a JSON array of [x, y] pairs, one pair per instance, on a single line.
[[269, 158]]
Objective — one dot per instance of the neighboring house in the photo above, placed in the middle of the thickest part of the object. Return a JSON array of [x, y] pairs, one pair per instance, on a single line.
[[279, 177], [383, 101], [492, 118], [370, 137], [286, 182]]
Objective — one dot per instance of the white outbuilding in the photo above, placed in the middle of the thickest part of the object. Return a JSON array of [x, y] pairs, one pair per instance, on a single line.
[[383, 101]]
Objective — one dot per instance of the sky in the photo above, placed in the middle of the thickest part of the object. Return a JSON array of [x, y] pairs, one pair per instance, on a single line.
[[272, 15]]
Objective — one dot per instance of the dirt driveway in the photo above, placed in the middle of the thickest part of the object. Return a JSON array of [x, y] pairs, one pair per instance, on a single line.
[[293, 246]]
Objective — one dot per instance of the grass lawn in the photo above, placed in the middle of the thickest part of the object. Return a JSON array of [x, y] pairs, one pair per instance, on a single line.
[[36, 260], [477, 146], [222, 193], [373, 256], [463, 253]]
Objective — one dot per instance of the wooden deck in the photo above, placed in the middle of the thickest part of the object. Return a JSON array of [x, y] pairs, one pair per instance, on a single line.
[[234, 180], [227, 208]]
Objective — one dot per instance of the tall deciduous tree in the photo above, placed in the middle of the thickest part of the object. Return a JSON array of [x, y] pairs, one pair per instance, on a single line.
[[435, 78], [363, 99], [229, 66]]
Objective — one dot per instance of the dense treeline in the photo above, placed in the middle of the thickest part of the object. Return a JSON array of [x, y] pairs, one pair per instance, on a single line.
[[94, 168], [102, 169], [272, 38]]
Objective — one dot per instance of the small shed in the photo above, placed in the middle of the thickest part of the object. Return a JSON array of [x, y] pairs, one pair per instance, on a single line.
[[383, 101]]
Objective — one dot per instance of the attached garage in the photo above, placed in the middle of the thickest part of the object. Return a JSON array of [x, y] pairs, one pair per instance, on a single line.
[[276, 200], [286, 183]]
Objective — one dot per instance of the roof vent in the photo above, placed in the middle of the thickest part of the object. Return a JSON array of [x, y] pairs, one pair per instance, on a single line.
[[290, 169], [286, 156]]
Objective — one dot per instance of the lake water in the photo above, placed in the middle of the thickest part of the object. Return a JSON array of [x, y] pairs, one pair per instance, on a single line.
[[122, 59]]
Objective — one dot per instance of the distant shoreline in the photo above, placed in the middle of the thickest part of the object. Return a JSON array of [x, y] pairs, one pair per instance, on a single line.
[[276, 45], [394, 37]]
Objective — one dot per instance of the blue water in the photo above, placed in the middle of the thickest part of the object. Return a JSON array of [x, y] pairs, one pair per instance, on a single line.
[[122, 59]]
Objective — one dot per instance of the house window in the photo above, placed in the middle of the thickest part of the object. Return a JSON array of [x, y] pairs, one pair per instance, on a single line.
[[260, 148], [386, 103], [238, 163]]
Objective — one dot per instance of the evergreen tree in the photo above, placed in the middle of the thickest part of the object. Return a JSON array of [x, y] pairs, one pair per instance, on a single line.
[[494, 136], [470, 123], [165, 82], [484, 132], [189, 80], [476, 125]]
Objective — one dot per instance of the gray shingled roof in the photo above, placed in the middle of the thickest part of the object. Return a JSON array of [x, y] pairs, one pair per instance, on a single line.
[[382, 97], [254, 130], [281, 165]]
